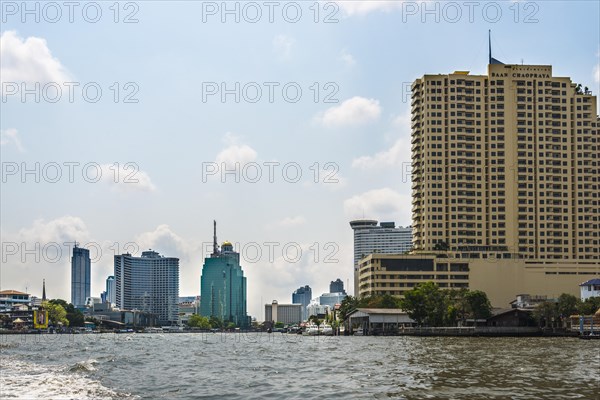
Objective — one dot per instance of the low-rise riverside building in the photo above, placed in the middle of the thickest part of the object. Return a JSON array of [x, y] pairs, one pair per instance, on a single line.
[[374, 321], [394, 274], [285, 313], [500, 278], [11, 298], [590, 289], [114, 317]]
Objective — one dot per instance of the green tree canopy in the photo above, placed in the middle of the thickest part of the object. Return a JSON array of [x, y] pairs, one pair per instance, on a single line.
[[197, 321], [478, 304], [215, 322], [589, 306], [56, 313], [429, 305], [379, 301], [567, 305], [75, 317], [546, 313], [348, 305]]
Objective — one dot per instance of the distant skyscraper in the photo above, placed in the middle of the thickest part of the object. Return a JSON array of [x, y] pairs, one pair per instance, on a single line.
[[337, 286], [148, 283], [110, 290], [384, 239], [223, 285], [302, 295], [80, 276], [331, 299]]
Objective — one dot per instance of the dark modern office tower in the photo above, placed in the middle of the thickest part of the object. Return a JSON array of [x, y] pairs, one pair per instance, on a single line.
[[80, 276], [302, 295], [337, 286]]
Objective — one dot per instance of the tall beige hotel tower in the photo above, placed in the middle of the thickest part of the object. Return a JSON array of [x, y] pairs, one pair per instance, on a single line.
[[506, 177], [505, 186]]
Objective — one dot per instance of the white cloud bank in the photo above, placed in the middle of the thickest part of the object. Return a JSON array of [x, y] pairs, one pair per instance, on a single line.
[[28, 60], [354, 111], [127, 177], [236, 153], [384, 204], [289, 222], [396, 156]]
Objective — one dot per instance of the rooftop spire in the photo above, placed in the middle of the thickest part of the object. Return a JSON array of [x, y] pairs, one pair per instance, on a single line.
[[490, 45], [215, 245], [44, 290], [492, 60]]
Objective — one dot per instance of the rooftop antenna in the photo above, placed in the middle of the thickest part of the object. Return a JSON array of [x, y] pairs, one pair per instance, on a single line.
[[490, 45], [492, 60], [215, 246]]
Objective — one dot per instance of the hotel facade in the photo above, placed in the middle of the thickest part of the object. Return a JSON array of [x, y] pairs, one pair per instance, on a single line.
[[149, 283], [505, 183]]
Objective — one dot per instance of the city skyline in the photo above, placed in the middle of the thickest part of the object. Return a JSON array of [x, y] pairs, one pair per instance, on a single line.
[[373, 54]]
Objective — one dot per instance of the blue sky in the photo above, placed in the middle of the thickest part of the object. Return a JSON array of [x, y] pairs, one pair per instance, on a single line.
[[170, 58]]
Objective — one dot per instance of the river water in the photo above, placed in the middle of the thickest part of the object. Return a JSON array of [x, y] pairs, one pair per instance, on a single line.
[[256, 366]]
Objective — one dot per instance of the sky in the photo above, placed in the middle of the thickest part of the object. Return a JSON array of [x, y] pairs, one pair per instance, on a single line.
[[128, 126]]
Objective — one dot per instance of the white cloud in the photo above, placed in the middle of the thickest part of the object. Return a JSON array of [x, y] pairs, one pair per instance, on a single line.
[[59, 230], [352, 7], [42, 251], [28, 60], [347, 58], [127, 177], [289, 222], [235, 155], [382, 204], [354, 111], [282, 45], [396, 156], [165, 241], [11, 136]]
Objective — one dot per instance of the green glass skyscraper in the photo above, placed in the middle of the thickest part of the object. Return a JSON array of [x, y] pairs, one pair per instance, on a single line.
[[223, 285]]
